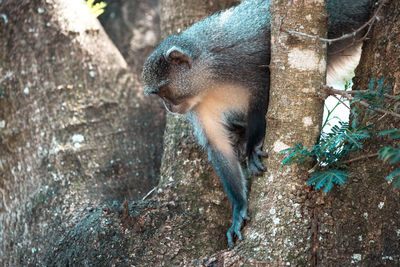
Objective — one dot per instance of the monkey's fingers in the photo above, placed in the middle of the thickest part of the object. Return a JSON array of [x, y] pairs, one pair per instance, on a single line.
[[254, 163], [261, 153], [229, 234], [237, 222], [234, 229]]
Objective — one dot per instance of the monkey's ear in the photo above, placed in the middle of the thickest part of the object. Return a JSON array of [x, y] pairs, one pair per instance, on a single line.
[[177, 56]]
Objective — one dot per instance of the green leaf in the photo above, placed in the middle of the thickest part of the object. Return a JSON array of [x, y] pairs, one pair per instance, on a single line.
[[96, 9], [375, 95], [393, 133], [89, 3], [393, 155], [396, 176], [389, 153], [326, 179], [298, 154], [288, 158]]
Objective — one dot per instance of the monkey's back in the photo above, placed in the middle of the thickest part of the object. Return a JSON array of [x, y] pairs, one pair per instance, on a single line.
[[228, 27], [235, 42]]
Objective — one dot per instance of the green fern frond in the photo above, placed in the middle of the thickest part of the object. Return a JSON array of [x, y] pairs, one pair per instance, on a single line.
[[298, 154], [389, 153], [392, 133], [375, 95], [327, 178], [344, 138], [395, 175]]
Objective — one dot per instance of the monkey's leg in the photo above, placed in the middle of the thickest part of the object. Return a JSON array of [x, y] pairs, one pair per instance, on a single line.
[[233, 180], [256, 126]]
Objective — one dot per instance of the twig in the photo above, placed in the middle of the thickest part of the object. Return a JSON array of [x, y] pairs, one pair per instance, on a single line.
[[149, 193], [353, 92], [284, 16], [381, 117], [341, 101], [331, 91], [369, 23], [360, 158]]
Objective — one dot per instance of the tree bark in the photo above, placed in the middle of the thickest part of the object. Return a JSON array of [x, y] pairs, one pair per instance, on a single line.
[[134, 27], [358, 224], [281, 228], [281, 205], [72, 118], [185, 219], [74, 131]]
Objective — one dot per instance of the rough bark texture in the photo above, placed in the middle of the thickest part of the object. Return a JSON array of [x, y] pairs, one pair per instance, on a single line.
[[73, 132], [281, 231], [134, 27], [74, 142], [186, 12], [72, 120], [359, 224], [281, 207]]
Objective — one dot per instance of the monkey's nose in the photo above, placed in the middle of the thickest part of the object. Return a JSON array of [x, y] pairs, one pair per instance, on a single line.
[[149, 91]]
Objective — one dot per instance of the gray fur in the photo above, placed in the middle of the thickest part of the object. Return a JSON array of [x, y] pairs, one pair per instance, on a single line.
[[197, 130]]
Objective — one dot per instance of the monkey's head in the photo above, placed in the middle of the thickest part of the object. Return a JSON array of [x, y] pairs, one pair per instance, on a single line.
[[176, 73]]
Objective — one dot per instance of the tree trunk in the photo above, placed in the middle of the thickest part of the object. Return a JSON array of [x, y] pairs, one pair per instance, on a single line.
[[134, 27], [281, 228], [359, 224], [74, 131], [187, 218], [75, 141]]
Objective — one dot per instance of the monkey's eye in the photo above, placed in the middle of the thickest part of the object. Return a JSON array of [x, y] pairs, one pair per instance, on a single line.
[[163, 91]]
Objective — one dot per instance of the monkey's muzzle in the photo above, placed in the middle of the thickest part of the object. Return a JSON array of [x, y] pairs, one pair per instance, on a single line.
[[149, 91], [179, 108]]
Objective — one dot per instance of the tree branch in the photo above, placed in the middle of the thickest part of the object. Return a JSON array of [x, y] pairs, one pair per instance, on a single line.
[[331, 91], [353, 92], [360, 158], [369, 23], [341, 101]]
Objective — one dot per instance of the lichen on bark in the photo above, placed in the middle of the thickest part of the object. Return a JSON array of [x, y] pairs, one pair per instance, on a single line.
[[281, 205]]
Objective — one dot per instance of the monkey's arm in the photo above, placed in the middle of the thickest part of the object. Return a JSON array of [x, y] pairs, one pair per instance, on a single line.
[[213, 135], [233, 180]]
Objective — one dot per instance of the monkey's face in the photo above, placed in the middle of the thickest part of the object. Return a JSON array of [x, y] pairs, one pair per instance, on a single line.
[[172, 74]]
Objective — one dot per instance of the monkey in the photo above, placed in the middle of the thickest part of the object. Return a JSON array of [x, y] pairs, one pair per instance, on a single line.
[[216, 72]]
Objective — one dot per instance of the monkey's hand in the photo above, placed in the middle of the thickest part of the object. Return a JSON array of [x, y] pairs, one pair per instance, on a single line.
[[253, 161], [239, 215]]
